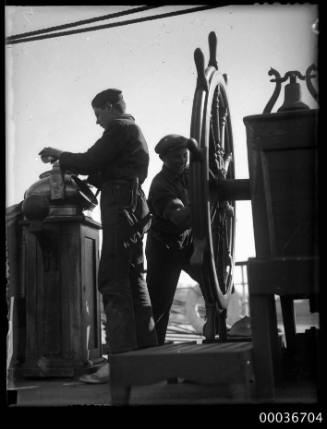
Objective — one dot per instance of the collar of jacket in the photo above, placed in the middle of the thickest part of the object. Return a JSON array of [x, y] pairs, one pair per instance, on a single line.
[[122, 116], [125, 116], [172, 176]]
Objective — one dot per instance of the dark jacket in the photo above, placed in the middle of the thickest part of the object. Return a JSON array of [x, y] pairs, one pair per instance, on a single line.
[[165, 188], [121, 153]]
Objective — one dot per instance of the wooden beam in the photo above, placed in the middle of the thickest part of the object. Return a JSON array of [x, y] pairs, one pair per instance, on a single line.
[[230, 189]]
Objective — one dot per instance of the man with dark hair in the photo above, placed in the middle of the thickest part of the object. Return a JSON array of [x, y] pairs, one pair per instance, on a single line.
[[169, 243], [114, 95], [118, 164]]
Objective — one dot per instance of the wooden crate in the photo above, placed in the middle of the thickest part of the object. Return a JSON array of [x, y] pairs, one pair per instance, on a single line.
[[283, 167], [214, 363]]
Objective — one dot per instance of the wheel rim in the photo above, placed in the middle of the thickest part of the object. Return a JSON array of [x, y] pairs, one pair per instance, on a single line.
[[213, 227]]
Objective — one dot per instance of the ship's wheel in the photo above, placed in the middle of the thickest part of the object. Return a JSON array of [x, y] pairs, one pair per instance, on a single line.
[[213, 216]]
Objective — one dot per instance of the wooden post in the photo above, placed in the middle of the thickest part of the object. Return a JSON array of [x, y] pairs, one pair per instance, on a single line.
[[63, 326]]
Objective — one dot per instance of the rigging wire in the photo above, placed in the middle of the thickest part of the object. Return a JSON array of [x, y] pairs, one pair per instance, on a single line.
[[81, 22], [111, 25]]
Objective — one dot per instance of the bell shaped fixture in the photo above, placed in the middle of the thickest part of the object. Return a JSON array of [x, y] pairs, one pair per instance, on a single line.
[[292, 100]]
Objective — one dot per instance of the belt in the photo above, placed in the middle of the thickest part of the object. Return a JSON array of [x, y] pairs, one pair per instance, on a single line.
[[121, 181], [136, 189]]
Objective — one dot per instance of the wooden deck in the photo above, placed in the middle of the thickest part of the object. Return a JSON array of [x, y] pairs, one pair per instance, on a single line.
[[69, 391]]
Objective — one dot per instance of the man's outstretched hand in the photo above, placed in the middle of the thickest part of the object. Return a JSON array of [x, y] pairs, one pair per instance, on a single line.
[[50, 154]]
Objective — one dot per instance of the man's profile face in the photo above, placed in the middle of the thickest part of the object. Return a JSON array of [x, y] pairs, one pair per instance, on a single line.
[[103, 115], [176, 160]]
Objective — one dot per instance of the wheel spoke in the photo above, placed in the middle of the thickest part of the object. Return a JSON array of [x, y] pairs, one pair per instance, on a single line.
[[223, 122], [215, 117], [212, 176]]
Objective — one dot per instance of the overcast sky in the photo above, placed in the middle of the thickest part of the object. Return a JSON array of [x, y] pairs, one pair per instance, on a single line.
[[50, 83]]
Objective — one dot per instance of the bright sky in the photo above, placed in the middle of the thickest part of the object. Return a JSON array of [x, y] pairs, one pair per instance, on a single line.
[[50, 83]]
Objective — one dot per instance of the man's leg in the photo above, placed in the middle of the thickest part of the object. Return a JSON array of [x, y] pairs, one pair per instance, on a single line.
[[163, 272], [193, 272], [145, 326], [114, 284]]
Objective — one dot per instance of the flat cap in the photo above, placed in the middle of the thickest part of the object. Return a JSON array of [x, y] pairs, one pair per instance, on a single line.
[[170, 142]]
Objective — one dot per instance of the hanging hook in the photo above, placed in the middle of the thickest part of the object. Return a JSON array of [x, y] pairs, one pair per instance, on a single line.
[[276, 92], [308, 77]]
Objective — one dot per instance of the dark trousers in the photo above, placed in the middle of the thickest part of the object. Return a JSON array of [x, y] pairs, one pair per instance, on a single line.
[[163, 270], [126, 300]]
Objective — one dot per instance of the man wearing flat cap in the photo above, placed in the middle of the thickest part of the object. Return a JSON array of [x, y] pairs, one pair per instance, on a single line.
[[117, 164], [169, 244]]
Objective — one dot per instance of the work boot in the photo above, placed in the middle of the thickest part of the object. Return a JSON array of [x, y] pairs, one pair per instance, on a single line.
[[101, 376]]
